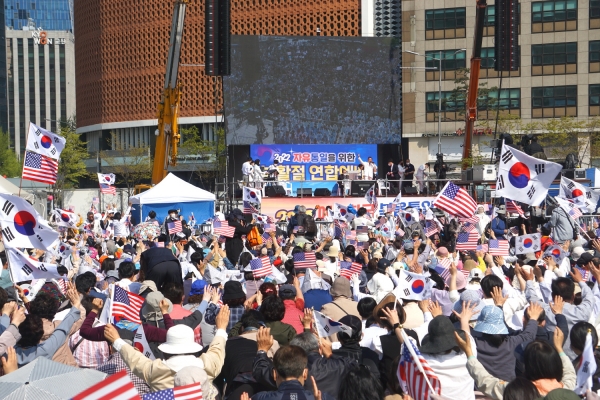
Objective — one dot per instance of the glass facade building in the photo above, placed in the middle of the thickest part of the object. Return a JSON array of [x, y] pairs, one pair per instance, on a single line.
[[50, 15]]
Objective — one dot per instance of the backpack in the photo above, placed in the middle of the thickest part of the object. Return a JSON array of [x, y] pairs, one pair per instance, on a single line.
[[254, 237]]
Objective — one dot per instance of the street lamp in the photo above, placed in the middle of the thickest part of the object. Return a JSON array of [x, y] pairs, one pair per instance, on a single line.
[[440, 59]]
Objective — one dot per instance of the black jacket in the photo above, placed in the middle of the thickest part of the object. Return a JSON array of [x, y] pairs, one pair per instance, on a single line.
[[361, 355], [235, 245], [161, 266], [328, 372]]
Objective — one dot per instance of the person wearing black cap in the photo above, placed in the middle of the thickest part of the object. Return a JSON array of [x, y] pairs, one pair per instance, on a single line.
[[233, 296], [351, 345], [380, 285], [171, 217]]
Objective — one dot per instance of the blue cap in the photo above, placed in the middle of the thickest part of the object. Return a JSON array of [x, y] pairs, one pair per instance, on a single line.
[[198, 287], [97, 295], [491, 321]]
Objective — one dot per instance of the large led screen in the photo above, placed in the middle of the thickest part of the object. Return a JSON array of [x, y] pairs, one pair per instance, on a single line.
[[314, 90]]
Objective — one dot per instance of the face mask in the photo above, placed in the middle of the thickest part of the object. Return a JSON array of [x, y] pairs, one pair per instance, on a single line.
[[172, 215], [137, 265]]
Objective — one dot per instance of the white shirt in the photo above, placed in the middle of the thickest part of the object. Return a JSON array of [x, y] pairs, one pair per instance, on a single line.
[[132, 287], [370, 334], [484, 219], [420, 174], [370, 169], [362, 221], [380, 286], [247, 168], [220, 216], [119, 226], [451, 370], [401, 171]]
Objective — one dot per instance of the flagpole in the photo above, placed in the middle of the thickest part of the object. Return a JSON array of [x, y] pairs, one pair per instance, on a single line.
[[23, 163], [408, 345]]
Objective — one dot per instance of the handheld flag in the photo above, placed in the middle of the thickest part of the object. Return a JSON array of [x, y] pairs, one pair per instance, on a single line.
[[252, 195], [141, 343], [497, 247], [44, 142], [22, 226], [304, 260], [414, 374], [466, 240], [514, 208], [107, 189], [223, 228], [371, 196], [569, 207], [555, 251], [25, 268], [347, 269], [583, 197], [456, 201], [260, 267], [326, 326], [174, 227], [528, 243], [524, 178], [66, 218], [587, 367], [187, 392], [413, 286], [115, 387], [126, 305]]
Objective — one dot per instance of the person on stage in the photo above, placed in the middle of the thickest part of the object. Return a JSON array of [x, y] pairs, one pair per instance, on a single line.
[[392, 173], [401, 171], [273, 171], [370, 169], [248, 170], [258, 175], [409, 172], [421, 174]]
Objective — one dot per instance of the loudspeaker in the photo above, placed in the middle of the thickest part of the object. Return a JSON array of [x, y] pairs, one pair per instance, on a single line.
[[410, 190], [274, 191], [506, 35], [217, 38], [359, 188], [304, 192], [568, 173], [322, 192]]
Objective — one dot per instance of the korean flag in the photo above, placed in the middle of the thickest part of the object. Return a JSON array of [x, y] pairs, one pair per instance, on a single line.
[[44, 142], [22, 226]]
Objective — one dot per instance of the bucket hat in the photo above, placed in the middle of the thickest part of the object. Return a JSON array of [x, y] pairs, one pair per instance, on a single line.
[[491, 321], [473, 297], [440, 336], [180, 340]]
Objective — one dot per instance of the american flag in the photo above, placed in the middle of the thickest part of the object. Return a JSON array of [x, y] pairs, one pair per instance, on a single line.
[[431, 228], [473, 219], [188, 392], [95, 200], [513, 208], [338, 228], [584, 274], [269, 227], [466, 241], [305, 260], [498, 247], [575, 212], [391, 207], [399, 232], [261, 267], [105, 188], [482, 247], [347, 269], [249, 208], [444, 267], [223, 228], [126, 305], [350, 235], [116, 387], [514, 230], [362, 230], [468, 227], [174, 227], [40, 168], [411, 379], [456, 201]]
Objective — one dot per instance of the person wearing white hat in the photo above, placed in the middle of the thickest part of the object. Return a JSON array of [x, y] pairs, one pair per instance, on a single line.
[[180, 351], [330, 266]]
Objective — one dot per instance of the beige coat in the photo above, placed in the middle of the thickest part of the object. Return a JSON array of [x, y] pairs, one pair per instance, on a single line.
[[159, 375], [63, 355], [340, 307]]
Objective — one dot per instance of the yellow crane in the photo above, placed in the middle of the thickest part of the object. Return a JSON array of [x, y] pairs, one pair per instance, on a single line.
[[167, 134]]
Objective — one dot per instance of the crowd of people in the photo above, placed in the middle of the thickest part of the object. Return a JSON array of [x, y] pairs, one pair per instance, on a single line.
[[494, 327], [311, 96]]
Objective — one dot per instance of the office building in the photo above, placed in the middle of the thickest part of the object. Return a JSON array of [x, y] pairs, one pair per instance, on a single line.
[[559, 72], [38, 63]]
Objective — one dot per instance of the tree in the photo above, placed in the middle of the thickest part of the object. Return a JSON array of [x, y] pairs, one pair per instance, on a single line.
[[71, 166], [593, 127], [9, 164], [560, 137], [486, 97], [193, 144], [132, 166]]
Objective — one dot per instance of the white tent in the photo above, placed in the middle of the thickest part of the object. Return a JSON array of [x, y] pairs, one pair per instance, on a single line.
[[173, 193], [7, 187]]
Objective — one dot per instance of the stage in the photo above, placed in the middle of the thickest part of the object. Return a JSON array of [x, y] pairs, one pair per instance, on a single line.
[[280, 206]]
